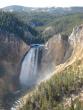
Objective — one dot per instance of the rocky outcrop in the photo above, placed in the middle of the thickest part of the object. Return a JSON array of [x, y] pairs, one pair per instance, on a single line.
[[76, 42], [53, 54], [76, 37]]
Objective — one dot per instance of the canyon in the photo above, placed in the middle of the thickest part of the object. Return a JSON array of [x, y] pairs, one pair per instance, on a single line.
[[34, 48]]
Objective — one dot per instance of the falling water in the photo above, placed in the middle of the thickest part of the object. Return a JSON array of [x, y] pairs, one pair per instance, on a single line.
[[29, 69]]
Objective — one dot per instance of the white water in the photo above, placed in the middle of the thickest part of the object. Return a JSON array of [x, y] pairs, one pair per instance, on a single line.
[[28, 75], [29, 72]]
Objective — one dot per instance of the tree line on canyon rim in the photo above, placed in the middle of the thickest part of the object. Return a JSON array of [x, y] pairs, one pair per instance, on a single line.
[[22, 23]]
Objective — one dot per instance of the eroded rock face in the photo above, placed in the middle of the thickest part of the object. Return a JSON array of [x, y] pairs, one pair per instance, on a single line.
[[76, 42], [55, 50], [53, 54], [76, 37], [12, 49]]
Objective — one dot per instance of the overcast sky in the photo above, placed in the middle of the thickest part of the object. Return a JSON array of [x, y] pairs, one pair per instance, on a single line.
[[42, 3]]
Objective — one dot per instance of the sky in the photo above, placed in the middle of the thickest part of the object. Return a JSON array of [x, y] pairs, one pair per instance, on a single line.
[[42, 3]]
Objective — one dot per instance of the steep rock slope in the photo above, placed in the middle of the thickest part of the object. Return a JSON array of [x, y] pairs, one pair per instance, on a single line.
[[12, 49], [54, 53]]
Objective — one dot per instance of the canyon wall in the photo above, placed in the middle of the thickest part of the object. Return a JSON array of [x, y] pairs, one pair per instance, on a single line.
[[12, 49]]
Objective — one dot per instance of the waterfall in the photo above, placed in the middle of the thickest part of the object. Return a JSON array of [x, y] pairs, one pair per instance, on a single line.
[[29, 71], [29, 68]]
